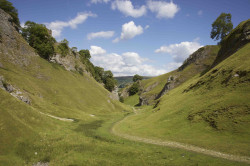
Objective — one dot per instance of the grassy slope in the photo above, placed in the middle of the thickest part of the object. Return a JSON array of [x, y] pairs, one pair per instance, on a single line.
[[211, 111], [190, 71], [28, 137]]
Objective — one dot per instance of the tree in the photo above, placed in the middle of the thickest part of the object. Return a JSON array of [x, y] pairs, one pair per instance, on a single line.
[[221, 27], [99, 74], [137, 77], [11, 10], [85, 54], [110, 84], [63, 47], [38, 37], [133, 89]]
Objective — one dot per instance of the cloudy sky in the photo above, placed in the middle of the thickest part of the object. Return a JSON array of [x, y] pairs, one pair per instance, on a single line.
[[146, 37]]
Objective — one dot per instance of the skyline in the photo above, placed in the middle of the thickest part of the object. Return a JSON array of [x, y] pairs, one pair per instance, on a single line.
[[133, 37]]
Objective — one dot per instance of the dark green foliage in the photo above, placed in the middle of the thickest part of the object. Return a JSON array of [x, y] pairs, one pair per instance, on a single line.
[[133, 89], [109, 80], [38, 37], [109, 83], [11, 10], [85, 54], [137, 78], [221, 27], [233, 41], [63, 47], [121, 99], [107, 74], [99, 73]]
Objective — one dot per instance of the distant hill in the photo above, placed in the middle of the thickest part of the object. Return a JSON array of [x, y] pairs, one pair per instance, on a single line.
[[126, 80]]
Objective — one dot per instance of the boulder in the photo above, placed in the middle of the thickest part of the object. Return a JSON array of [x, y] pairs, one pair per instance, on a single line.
[[9, 88]]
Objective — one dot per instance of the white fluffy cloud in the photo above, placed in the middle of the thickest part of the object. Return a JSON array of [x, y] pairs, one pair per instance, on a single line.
[[58, 26], [163, 9], [180, 51], [127, 8], [95, 50], [128, 63], [102, 34], [129, 31], [99, 1]]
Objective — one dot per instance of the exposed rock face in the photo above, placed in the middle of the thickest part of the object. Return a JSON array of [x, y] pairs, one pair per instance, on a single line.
[[147, 100], [197, 57], [125, 93], [234, 41], [68, 62], [167, 87], [14, 91], [114, 94], [13, 47]]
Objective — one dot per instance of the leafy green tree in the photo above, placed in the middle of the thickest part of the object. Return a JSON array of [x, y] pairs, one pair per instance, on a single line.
[[11, 10], [121, 99], [133, 89], [137, 78], [107, 74], [63, 47], [221, 27], [38, 37], [110, 84], [99, 74], [85, 54]]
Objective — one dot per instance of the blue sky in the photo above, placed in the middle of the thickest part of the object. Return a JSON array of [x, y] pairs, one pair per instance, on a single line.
[[130, 37]]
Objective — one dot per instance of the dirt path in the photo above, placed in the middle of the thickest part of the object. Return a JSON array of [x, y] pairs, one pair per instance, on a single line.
[[58, 118], [177, 144]]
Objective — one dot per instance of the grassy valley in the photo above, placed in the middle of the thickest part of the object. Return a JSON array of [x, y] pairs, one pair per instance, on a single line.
[[209, 110], [59, 109]]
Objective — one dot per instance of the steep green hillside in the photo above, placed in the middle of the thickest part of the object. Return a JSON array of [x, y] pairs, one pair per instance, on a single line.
[[53, 116], [152, 89], [211, 110]]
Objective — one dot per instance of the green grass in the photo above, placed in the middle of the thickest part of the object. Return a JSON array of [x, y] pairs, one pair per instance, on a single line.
[[156, 84], [28, 137], [132, 100], [211, 111], [34, 137]]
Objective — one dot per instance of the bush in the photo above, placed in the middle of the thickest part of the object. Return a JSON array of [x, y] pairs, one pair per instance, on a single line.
[[121, 99], [85, 54], [63, 47], [133, 89], [137, 78], [109, 84], [38, 37]]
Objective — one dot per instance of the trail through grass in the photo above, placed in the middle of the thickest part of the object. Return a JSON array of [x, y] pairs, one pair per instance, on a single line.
[[179, 145]]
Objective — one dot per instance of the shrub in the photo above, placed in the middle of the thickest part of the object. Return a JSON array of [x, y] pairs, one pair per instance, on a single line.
[[133, 89], [38, 37], [137, 78], [121, 99], [63, 47]]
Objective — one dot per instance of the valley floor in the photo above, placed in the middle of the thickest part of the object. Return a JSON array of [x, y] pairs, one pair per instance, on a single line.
[[173, 144]]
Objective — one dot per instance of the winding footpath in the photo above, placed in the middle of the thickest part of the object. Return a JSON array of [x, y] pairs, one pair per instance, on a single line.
[[179, 145]]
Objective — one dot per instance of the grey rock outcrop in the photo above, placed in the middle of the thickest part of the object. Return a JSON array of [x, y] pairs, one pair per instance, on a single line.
[[14, 91], [167, 87], [114, 94], [14, 48]]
